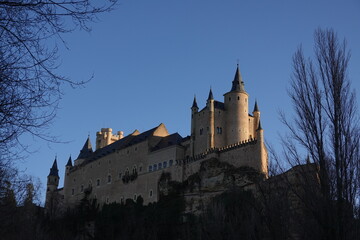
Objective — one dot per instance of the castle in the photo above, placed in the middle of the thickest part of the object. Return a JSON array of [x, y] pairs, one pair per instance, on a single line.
[[123, 167]]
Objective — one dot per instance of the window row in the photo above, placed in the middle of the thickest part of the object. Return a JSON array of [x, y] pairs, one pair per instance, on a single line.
[[161, 165]]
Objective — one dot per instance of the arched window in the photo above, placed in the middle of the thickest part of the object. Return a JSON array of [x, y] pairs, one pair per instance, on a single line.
[[151, 193], [90, 183], [171, 163], [120, 175], [150, 168], [160, 165], [97, 182], [134, 171], [127, 172], [165, 164], [109, 178], [72, 191], [155, 167]]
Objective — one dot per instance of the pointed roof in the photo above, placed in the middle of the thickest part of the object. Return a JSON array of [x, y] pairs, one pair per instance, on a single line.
[[237, 83], [259, 127], [86, 151], [194, 105], [210, 97], [256, 108], [69, 163], [54, 171]]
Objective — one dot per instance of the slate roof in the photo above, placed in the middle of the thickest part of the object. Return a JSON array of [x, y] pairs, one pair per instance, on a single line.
[[173, 139], [131, 140], [69, 163], [219, 105], [256, 108], [194, 103], [54, 171], [237, 83], [87, 150]]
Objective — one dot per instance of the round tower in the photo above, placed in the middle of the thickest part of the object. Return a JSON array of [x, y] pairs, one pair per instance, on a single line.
[[194, 110], [211, 120], [237, 114], [256, 114], [52, 185]]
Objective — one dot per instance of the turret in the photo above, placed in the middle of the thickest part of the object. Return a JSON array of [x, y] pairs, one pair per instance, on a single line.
[[52, 184], [256, 114], [194, 110], [211, 119], [236, 106], [262, 150]]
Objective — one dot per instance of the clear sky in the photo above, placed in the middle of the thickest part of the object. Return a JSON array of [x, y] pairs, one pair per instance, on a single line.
[[149, 58]]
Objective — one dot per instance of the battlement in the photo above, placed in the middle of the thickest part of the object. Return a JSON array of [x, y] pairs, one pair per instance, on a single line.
[[216, 150], [105, 137]]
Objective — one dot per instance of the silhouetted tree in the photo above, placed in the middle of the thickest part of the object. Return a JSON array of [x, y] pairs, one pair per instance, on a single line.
[[29, 83], [325, 124]]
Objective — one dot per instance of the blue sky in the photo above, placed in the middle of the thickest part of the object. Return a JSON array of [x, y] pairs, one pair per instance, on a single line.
[[149, 58]]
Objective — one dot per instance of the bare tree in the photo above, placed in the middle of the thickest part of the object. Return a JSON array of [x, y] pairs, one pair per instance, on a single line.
[[326, 126], [30, 86]]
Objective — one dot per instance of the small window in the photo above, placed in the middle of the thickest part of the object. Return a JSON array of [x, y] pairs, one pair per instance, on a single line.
[[150, 168], [90, 184], [160, 165], [98, 182], [201, 131], [82, 188], [229, 99], [239, 98], [150, 193], [135, 148], [134, 171], [171, 163], [72, 191], [109, 178], [127, 172], [155, 167], [74, 180], [165, 164]]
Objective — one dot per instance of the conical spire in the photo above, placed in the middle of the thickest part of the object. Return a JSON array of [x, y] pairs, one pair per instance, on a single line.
[[259, 127], [54, 171], [86, 151], [69, 163], [238, 84], [194, 103], [210, 97], [256, 108]]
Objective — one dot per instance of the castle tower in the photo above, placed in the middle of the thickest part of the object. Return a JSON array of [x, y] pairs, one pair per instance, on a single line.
[[236, 105], [52, 185], [262, 150], [256, 114], [211, 120], [194, 110]]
